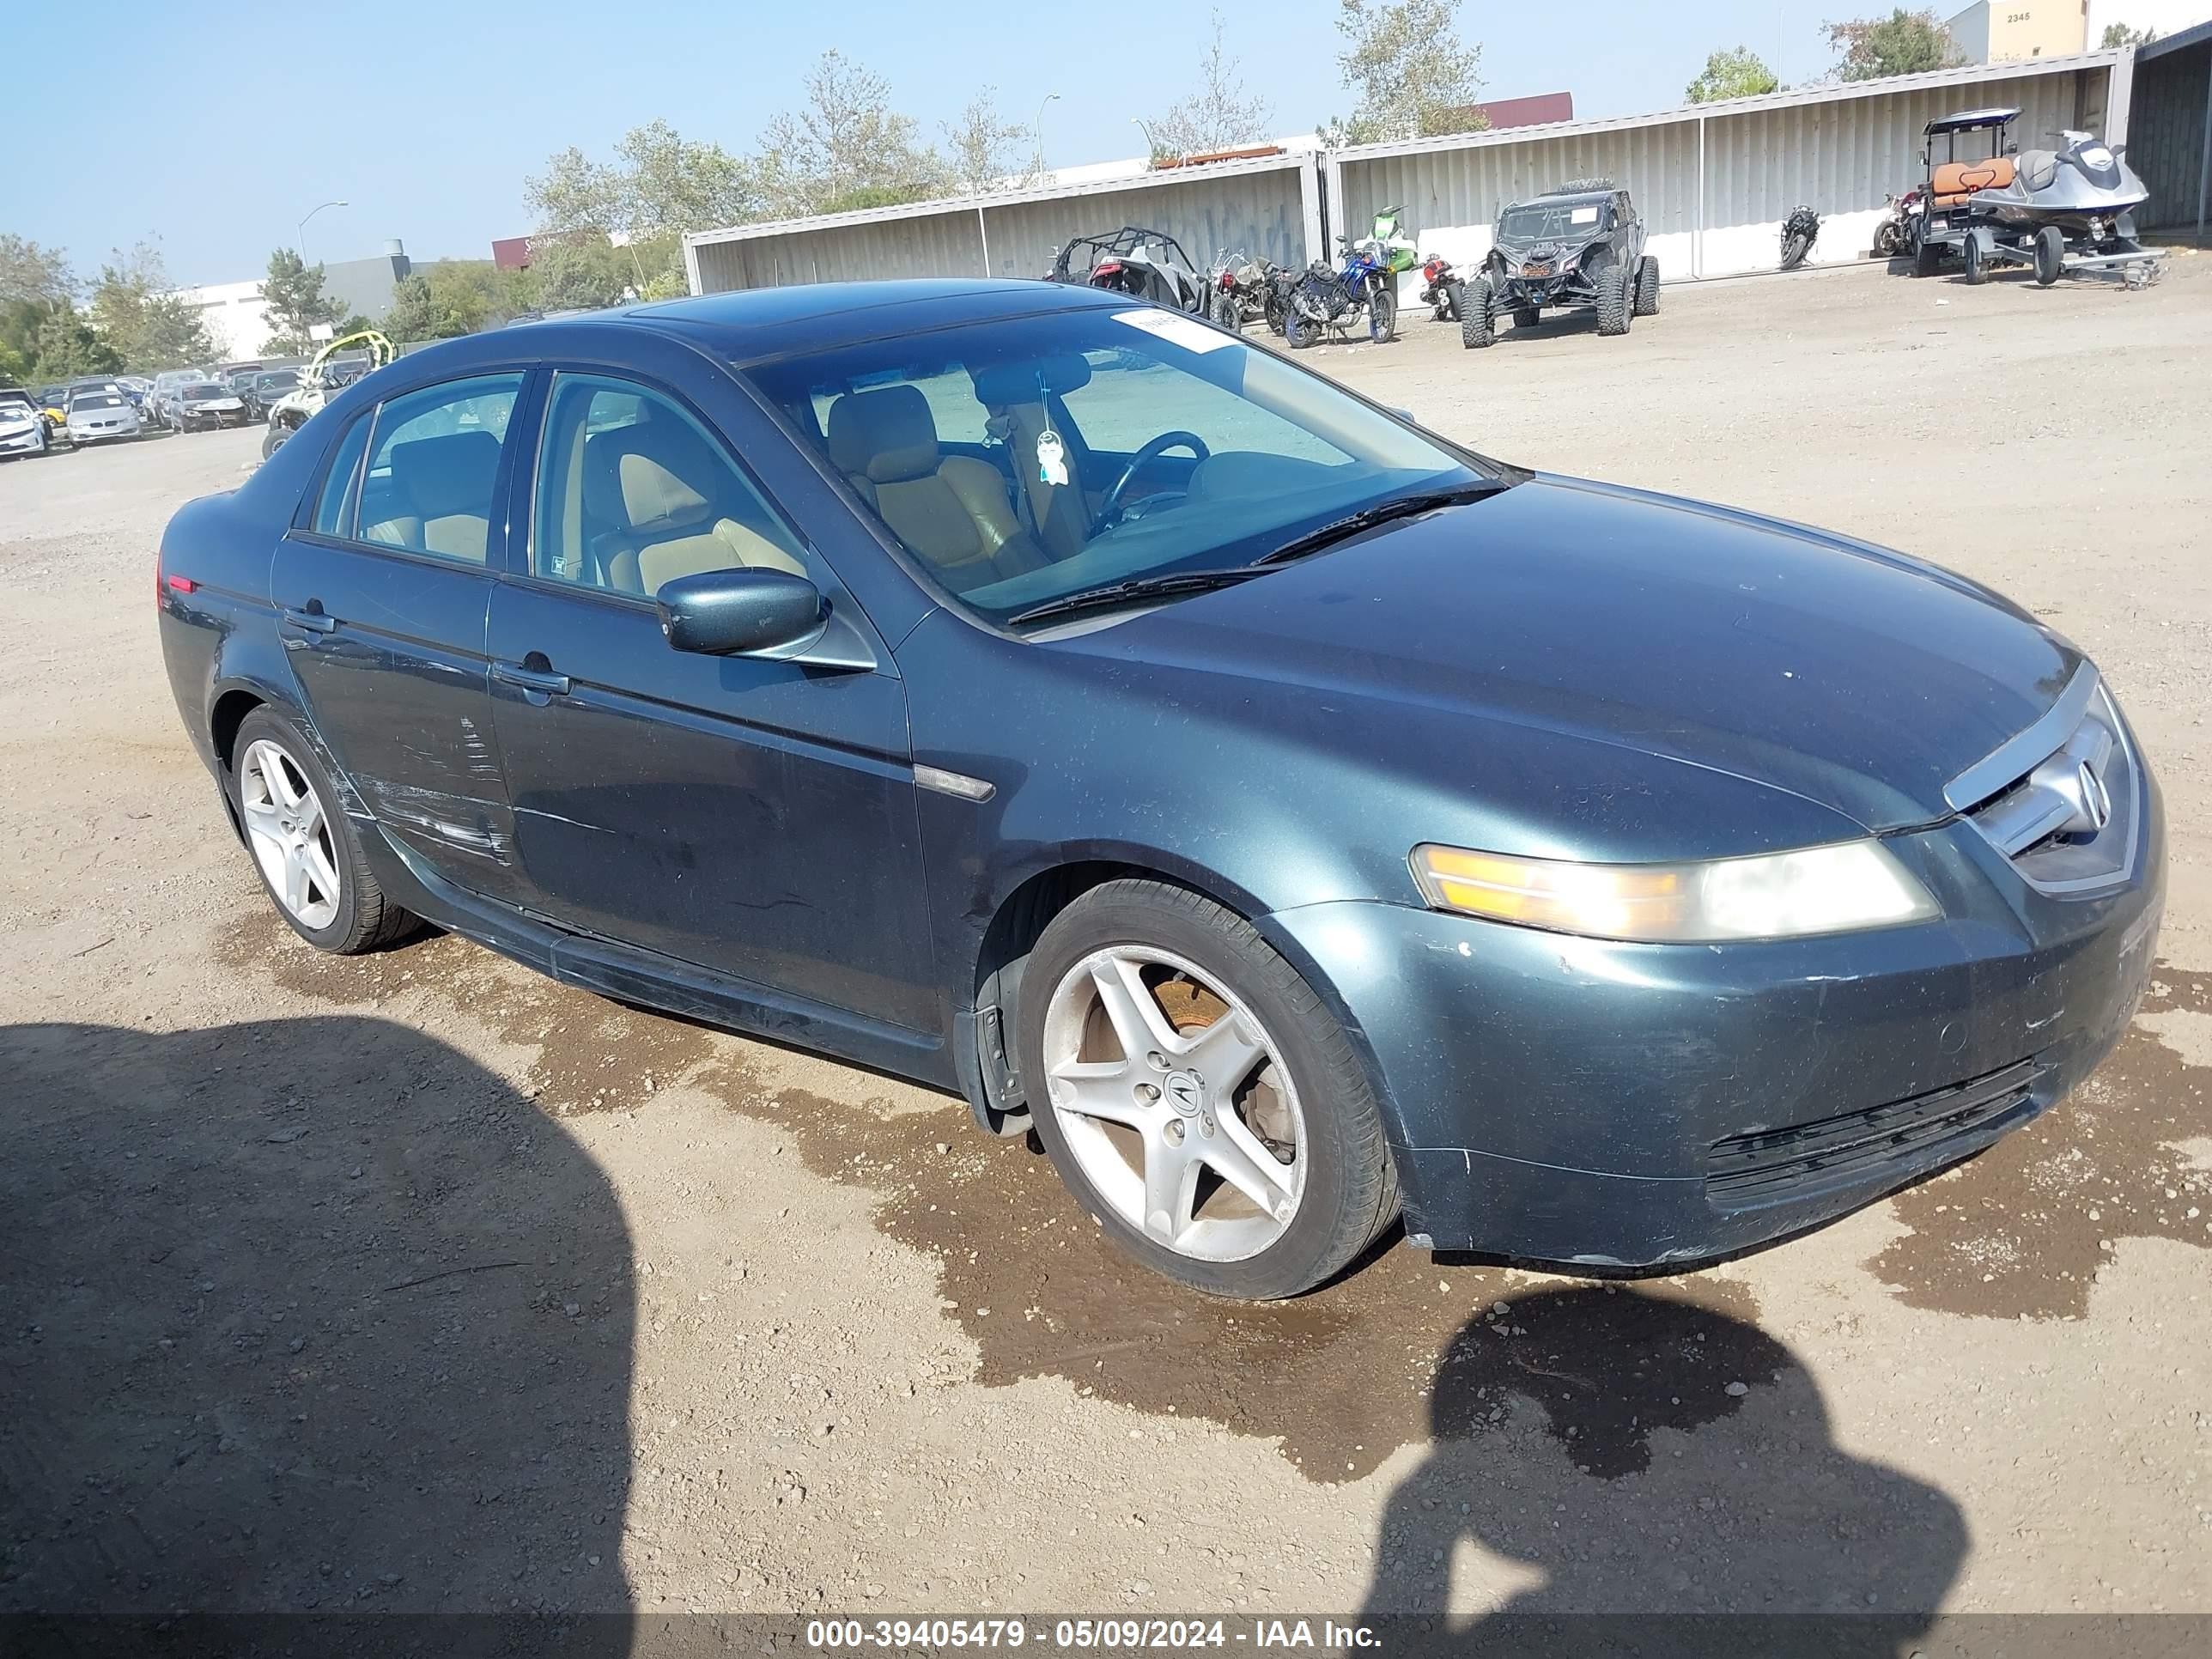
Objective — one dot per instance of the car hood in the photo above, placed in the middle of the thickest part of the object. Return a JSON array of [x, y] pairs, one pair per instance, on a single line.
[[1856, 678]]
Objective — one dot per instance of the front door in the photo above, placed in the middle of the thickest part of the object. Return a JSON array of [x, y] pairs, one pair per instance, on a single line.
[[382, 596], [753, 817]]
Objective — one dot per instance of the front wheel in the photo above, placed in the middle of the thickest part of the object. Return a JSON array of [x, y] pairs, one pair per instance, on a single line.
[[1196, 1095], [1478, 314], [1616, 300], [273, 439], [1383, 314], [306, 850], [1227, 312]]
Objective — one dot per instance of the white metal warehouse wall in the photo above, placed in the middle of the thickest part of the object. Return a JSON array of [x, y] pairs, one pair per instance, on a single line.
[[1270, 206], [1715, 184]]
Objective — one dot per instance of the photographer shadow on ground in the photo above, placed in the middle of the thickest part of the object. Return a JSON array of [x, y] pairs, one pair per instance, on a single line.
[[305, 1315], [1660, 1476]]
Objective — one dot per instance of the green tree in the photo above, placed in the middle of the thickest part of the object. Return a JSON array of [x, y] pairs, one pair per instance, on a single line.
[[1412, 76], [2117, 35], [1902, 43], [28, 272], [980, 148], [446, 299], [67, 346], [143, 320], [1219, 115], [292, 296], [15, 367], [659, 186], [577, 272], [1733, 72], [846, 145]]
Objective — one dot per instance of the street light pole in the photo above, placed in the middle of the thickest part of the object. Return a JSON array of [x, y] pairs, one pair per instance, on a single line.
[[302, 247], [1037, 172]]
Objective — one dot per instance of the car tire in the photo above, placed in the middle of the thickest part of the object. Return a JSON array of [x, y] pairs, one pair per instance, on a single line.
[[1228, 313], [1478, 314], [1527, 316], [1382, 314], [1300, 329], [1616, 300], [278, 787], [274, 438], [1927, 258], [1213, 966], [1977, 270], [2049, 255], [1647, 286]]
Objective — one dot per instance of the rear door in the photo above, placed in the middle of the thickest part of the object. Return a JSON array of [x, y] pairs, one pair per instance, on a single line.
[[754, 817], [381, 594]]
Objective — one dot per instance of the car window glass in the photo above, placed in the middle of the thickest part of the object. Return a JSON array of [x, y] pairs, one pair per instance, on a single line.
[[333, 508], [633, 491], [1118, 412], [434, 465], [947, 388]]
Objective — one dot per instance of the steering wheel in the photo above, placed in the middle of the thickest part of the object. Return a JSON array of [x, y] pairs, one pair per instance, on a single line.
[[1109, 510]]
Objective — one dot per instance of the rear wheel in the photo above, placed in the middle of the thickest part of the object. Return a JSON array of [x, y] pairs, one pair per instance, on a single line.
[[1300, 329], [2049, 255], [1477, 313], [1647, 286], [1927, 256], [1976, 271], [305, 849], [1197, 1098]]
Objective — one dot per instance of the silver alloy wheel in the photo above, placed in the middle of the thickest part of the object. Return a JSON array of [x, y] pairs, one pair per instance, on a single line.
[[291, 835], [1186, 1122]]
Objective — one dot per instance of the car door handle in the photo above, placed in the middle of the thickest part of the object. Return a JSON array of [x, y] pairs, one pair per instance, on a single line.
[[314, 619], [542, 681]]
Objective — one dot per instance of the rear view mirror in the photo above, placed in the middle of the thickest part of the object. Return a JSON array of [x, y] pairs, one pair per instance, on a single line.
[[748, 612]]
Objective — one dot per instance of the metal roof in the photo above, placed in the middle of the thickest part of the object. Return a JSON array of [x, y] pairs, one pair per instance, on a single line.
[[1966, 119], [2195, 34], [1148, 180], [1825, 92]]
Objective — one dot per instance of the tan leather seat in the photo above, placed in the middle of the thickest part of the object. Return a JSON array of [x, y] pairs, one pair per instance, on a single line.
[[948, 510], [438, 498], [1954, 181], [674, 505]]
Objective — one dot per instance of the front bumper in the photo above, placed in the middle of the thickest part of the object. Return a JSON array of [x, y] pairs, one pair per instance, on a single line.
[[1578, 1102], [18, 443]]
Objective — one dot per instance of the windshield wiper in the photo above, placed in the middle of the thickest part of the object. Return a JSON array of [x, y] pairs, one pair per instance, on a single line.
[[1136, 590], [1399, 507]]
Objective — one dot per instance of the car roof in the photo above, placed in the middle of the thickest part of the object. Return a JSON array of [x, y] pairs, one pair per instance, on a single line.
[[1604, 195], [753, 324]]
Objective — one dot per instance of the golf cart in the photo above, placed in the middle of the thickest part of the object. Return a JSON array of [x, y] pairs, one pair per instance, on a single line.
[[336, 366], [1987, 204], [1146, 264]]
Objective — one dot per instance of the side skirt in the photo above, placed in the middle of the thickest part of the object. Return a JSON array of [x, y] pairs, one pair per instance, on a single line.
[[630, 974]]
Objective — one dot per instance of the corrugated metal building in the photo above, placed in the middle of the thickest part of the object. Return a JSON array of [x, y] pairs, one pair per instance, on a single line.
[[2170, 133], [1714, 181], [1269, 205]]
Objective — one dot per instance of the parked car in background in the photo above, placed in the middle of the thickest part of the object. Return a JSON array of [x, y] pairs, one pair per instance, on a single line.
[[266, 389], [23, 430], [197, 405], [101, 414], [1293, 816], [165, 390], [53, 404], [329, 371], [136, 387]]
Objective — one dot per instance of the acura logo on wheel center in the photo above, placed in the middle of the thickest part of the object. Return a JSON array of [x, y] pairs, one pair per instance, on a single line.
[[1184, 1092]]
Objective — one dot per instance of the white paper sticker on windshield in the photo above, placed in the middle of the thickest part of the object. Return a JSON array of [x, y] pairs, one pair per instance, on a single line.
[[1176, 329], [1582, 215]]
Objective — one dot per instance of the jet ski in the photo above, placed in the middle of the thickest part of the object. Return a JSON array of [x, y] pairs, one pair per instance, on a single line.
[[2070, 209]]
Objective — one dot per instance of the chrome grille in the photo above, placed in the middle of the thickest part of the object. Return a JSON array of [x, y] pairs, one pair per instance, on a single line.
[[2059, 800]]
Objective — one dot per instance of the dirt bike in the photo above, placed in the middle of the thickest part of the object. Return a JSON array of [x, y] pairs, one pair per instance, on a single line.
[[1365, 286], [1799, 231], [1438, 282], [1893, 234], [1241, 289]]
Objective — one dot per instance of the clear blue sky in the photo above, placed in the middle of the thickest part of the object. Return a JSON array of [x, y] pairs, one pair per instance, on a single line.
[[427, 117]]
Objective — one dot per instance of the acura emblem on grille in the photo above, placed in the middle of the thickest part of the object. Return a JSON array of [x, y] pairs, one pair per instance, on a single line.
[[2095, 810]]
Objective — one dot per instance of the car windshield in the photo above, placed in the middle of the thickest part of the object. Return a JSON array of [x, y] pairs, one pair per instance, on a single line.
[[96, 400], [1551, 222], [1028, 459], [200, 391], [275, 382]]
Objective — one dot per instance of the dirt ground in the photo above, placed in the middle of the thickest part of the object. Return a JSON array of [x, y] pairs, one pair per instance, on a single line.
[[418, 1282]]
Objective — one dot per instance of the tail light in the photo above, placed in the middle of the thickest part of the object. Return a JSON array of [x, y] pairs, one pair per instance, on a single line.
[[1105, 267], [1228, 279]]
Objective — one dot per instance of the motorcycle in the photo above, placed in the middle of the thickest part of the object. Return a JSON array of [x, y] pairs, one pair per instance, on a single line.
[[1799, 231], [1326, 301], [1439, 286], [1243, 289], [1893, 234]]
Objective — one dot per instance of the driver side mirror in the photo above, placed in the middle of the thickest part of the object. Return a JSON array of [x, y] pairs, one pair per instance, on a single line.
[[742, 612]]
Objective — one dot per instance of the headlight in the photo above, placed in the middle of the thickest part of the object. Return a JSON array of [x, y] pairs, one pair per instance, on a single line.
[[1837, 889]]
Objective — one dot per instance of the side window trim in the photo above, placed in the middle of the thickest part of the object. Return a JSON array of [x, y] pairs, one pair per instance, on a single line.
[[311, 500]]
